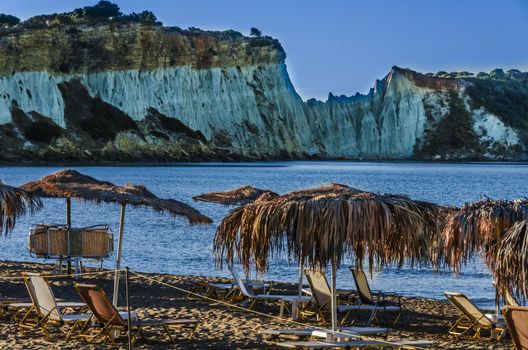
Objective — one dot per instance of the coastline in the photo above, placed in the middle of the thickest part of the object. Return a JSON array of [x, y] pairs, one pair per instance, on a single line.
[[255, 163], [220, 328]]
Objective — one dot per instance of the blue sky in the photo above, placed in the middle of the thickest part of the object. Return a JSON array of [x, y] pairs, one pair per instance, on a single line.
[[342, 46]]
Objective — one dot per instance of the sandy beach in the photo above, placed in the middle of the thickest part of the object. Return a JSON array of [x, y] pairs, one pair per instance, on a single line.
[[220, 327]]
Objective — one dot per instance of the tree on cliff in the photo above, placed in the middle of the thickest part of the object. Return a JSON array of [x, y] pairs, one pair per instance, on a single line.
[[103, 9], [255, 32], [8, 20]]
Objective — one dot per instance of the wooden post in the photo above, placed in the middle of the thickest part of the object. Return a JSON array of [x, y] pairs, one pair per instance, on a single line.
[[129, 321], [68, 223], [118, 256]]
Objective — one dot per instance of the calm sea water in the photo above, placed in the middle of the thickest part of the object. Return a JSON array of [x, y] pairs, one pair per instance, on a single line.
[[156, 243]]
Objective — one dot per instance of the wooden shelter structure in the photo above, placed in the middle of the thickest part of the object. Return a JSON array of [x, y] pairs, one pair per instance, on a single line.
[[325, 225], [15, 202], [70, 184], [238, 196]]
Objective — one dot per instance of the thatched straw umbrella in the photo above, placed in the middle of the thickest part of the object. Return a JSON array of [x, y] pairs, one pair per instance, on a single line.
[[478, 227], [324, 225], [14, 202], [238, 196], [72, 184], [510, 264]]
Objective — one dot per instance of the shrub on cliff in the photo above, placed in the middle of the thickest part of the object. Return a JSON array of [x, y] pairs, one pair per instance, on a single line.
[[145, 17], [507, 98], [482, 75], [8, 20], [255, 32], [103, 9], [450, 134]]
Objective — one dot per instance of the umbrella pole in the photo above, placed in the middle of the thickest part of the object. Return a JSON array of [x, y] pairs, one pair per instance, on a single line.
[[68, 223], [118, 256], [129, 319], [68, 211], [301, 268], [334, 300], [301, 272]]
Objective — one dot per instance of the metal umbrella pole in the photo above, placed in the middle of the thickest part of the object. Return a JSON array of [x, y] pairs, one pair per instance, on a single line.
[[129, 321], [115, 296], [68, 224], [301, 276], [334, 296]]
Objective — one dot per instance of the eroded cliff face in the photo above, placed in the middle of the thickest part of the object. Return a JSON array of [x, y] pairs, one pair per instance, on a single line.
[[136, 92]]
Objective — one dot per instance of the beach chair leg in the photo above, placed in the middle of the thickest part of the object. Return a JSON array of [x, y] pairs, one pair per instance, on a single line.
[[398, 318], [345, 318], [372, 317], [193, 330], [22, 322], [229, 294], [84, 327], [321, 317], [477, 333], [502, 334], [458, 329], [168, 333], [72, 328]]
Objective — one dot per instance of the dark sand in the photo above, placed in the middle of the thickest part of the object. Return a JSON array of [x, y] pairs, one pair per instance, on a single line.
[[220, 327]]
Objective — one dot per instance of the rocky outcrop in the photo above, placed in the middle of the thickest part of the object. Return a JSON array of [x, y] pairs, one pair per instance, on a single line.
[[141, 92]]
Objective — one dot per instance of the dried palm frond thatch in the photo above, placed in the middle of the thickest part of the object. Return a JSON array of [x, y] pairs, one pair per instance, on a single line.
[[510, 264], [329, 223], [70, 183], [238, 196], [477, 228], [15, 202]]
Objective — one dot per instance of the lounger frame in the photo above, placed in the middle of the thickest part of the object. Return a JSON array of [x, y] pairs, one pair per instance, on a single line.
[[109, 326], [48, 311], [471, 318], [375, 301]]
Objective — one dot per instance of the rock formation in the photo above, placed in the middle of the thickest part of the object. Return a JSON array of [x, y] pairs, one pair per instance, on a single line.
[[75, 90]]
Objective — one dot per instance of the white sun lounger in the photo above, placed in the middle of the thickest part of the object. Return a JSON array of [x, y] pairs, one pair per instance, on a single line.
[[222, 291], [309, 331], [48, 310], [322, 296], [294, 300], [359, 344], [374, 302]]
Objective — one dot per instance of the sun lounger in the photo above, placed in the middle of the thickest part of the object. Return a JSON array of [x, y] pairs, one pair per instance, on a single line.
[[7, 301], [517, 318], [374, 301], [221, 291], [295, 300], [47, 309], [322, 297], [357, 344], [471, 319], [272, 335], [111, 320]]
